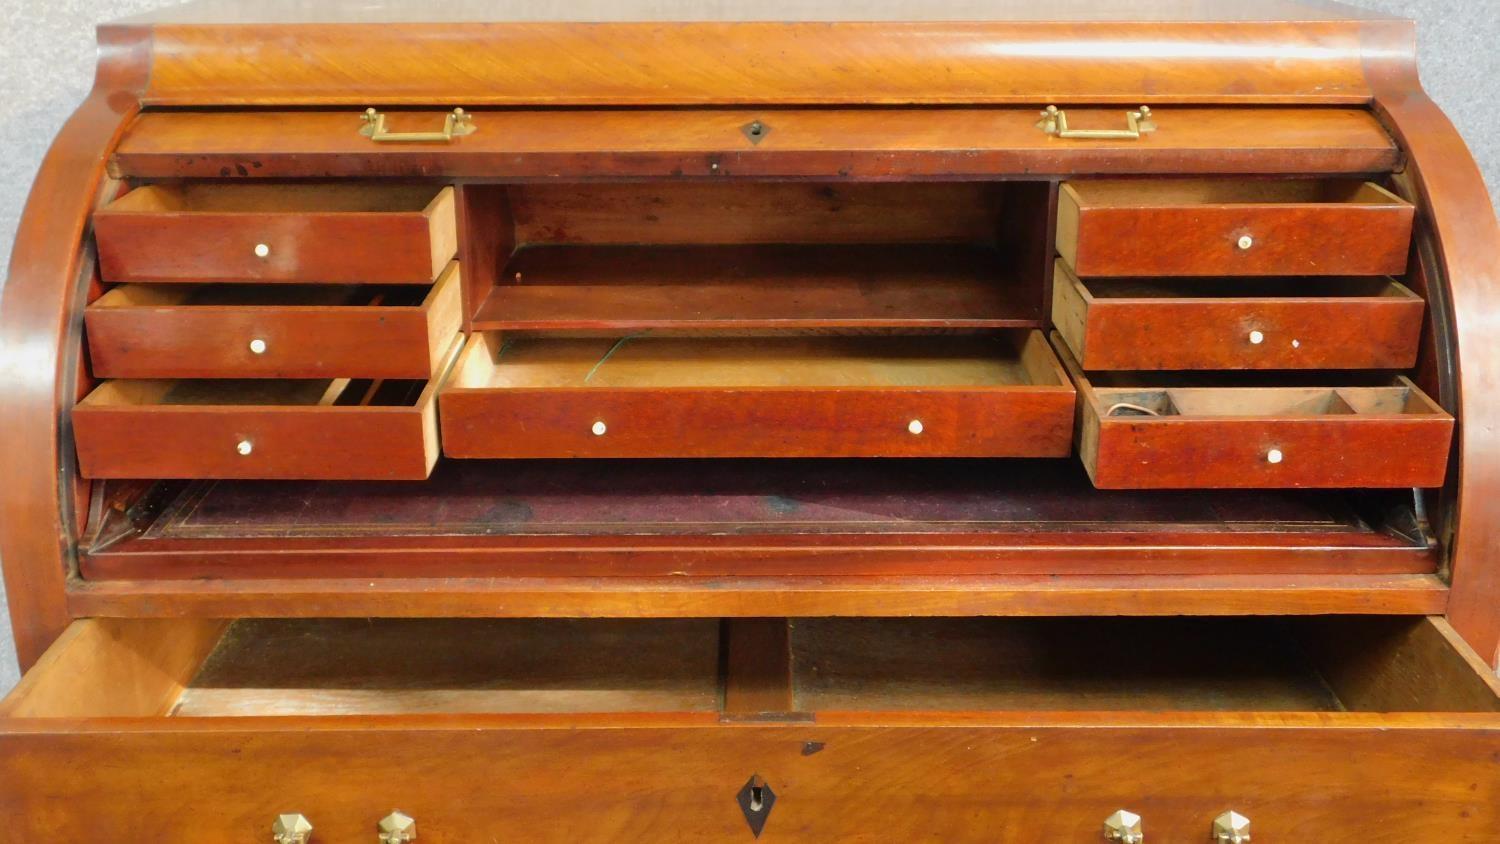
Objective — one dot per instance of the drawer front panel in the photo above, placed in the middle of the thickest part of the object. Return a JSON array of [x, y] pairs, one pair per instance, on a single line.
[[1132, 453], [1130, 333], [757, 423], [1205, 241], [276, 236], [300, 443], [480, 780], [300, 248], [269, 341], [1173, 236], [995, 396]]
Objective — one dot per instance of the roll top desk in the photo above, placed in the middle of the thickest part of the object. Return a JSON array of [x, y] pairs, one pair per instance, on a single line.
[[754, 421]]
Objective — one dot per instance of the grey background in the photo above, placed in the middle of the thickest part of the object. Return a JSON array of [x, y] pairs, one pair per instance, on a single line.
[[48, 50]]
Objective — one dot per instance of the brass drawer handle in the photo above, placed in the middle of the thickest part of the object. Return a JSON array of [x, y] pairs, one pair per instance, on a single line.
[[456, 124], [1137, 123]]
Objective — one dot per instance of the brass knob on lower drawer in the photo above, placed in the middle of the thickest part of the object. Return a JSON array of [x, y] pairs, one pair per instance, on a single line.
[[1231, 828], [397, 828], [1125, 827], [291, 828]]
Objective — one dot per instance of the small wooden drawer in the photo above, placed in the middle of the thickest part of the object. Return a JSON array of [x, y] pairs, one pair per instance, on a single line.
[[1216, 227], [992, 396], [205, 731], [348, 233], [1349, 322], [309, 429], [1135, 435], [273, 331]]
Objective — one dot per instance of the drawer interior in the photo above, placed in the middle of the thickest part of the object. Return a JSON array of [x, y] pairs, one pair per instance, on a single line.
[[1286, 402], [335, 392], [285, 198], [495, 363], [1131, 193], [1253, 287], [125, 296], [759, 256], [192, 668]]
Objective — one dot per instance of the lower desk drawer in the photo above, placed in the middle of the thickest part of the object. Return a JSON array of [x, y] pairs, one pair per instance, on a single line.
[[925, 396], [1136, 434], [273, 330], [318, 430], [1009, 730]]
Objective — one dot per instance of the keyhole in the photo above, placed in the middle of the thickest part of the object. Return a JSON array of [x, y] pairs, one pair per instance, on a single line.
[[756, 799]]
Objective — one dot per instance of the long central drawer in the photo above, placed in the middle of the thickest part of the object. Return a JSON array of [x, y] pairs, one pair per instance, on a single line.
[[984, 730], [986, 396]]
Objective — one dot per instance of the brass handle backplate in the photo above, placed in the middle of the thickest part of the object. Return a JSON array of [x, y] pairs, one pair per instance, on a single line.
[[1137, 123], [456, 124]]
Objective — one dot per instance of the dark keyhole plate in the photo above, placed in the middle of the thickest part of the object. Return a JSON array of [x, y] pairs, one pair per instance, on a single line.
[[756, 800]]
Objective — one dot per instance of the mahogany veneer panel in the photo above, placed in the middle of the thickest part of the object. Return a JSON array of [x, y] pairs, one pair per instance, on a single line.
[[849, 143], [323, 331], [349, 233], [781, 397], [1191, 227], [604, 289], [1303, 323]]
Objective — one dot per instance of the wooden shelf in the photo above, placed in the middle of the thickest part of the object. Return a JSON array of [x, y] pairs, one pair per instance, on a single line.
[[757, 287]]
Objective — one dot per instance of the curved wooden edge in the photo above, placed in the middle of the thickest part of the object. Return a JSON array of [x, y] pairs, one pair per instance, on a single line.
[[701, 63], [38, 317], [1456, 206]]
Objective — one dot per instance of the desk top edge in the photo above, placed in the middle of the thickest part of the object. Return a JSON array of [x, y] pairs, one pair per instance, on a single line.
[[335, 12]]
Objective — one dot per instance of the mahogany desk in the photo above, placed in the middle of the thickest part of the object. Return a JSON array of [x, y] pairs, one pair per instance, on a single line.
[[708, 421]]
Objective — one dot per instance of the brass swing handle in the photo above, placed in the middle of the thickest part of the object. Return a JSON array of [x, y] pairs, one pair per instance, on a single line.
[[455, 125], [1137, 123]]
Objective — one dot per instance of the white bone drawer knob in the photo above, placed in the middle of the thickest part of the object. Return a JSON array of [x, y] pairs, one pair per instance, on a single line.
[[1274, 456], [1246, 241], [262, 250], [599, 428], [291, 828], [1125, 827], [257, 346], [244, 448], [397, 828], [915, 426], [1257, 337], [1232, 828]]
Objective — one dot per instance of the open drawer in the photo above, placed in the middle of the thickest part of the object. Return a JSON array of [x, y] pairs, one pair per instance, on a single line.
[[1001, 395], [1214, 227], [273, 330], [1012, 730], [345, 429], [1349, 322], [1173, 433], [313, 233]]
